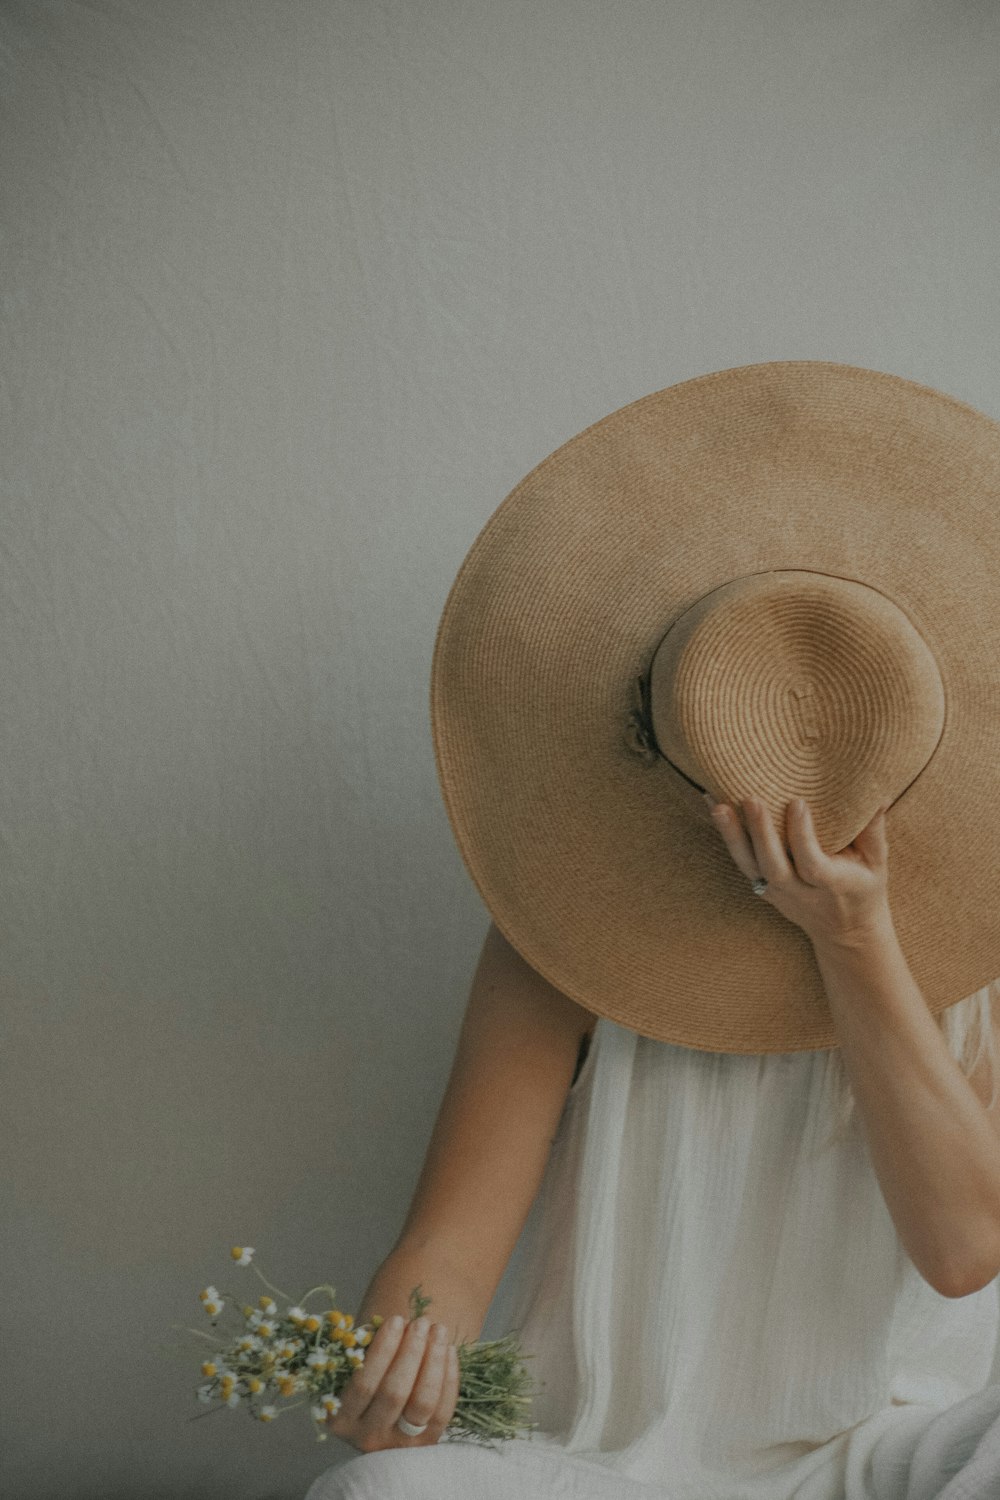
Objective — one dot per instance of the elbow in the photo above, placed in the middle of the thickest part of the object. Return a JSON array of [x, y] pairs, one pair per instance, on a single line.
[[973, 1265], [963, 1281], [950, 1286]]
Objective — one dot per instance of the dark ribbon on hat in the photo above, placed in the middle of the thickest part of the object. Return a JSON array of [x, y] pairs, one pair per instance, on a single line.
[[639, 735]]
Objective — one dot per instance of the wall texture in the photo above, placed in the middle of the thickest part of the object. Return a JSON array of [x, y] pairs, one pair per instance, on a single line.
[[292, 296]]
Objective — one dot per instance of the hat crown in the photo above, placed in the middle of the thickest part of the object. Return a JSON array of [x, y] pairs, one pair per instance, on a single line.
[[795, 683]]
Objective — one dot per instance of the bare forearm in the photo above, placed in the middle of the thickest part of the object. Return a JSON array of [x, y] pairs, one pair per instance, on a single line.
[[933, 1148], [454, 1302]]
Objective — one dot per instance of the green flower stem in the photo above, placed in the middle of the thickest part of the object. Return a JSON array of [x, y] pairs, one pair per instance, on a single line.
[[254, 1267]]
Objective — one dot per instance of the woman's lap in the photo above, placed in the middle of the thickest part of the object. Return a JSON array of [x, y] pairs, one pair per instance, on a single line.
[[385, 1475], [954, 1454], [537, 1468], [445, 1471], [950, 1453]]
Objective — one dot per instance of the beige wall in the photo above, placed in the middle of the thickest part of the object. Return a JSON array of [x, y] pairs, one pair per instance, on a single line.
[[293, 295]]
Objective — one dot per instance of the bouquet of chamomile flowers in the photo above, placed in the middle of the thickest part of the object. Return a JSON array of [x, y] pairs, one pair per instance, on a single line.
[[269, 1355]]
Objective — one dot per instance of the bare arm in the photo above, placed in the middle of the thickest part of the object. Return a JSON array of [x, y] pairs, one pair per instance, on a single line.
[[516, 1052], [934, 1146]]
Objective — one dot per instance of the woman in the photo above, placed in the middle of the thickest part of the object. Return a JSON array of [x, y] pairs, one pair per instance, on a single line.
[[488, 1156], [762, 1232]]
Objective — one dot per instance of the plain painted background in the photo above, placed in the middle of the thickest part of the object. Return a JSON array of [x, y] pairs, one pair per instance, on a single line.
[[293, 294]]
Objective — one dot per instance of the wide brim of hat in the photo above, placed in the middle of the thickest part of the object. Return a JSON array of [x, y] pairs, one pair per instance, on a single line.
[[603, 871]]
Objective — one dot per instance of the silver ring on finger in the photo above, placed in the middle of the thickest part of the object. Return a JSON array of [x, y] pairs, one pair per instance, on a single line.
[[759, 886], [410, 1429]]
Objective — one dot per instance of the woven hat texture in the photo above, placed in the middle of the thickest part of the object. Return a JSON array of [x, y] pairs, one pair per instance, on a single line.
[[776, 580]]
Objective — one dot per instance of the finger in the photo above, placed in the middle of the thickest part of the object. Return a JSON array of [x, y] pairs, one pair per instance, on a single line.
[[768, 849], [450, 1386], [365, 1380], [394, 1388], [422, 1402], [810, 859], [873, 840], [736, 840]]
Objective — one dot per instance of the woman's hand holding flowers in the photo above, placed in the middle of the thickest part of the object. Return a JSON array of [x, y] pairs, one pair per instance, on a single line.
[[408, 1371], [359, 1380]]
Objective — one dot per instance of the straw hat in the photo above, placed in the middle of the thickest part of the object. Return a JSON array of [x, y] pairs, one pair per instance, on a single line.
[[777, 580]]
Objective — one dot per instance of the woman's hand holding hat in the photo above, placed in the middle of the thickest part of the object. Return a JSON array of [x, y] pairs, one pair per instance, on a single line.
[[839, 898]]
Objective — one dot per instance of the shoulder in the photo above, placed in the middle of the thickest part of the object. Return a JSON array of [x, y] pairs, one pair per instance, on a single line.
[[578, 1016]]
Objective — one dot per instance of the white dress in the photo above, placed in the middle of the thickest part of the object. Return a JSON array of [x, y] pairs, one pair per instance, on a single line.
[[717, 1308]]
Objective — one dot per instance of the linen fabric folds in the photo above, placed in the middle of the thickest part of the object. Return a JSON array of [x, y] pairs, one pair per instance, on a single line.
[[718, 1307]]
